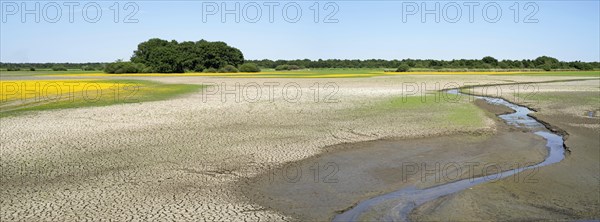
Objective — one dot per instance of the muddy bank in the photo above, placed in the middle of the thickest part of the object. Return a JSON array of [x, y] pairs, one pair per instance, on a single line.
[[320, 187], [493, 108], [569, 190]]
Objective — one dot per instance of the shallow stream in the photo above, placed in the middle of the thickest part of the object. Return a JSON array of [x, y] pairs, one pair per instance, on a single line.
[[397, 205]]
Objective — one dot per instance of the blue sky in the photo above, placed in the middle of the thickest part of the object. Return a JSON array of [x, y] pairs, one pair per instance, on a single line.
[[567, 30]]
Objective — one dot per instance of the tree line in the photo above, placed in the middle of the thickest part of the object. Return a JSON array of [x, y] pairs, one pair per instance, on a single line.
[[488, 62], [89, 66], [162, 56]]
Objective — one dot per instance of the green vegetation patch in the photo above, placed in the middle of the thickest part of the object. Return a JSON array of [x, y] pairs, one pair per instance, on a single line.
[[563, 73], [572, 98], [433, 110], [44, 72], [467, 115]]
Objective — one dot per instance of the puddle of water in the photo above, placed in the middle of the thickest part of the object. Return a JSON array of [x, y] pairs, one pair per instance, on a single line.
[[406, 199], [591, 114]]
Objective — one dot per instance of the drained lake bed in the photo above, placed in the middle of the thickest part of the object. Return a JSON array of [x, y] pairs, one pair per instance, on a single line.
[[320, 187]]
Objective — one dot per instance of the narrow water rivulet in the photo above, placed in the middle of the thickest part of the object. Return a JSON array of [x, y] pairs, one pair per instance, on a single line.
[[397, 205]]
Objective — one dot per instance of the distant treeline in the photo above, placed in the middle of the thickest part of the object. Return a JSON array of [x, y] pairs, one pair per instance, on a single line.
[[542, 62], [90, 66], [206, 56]]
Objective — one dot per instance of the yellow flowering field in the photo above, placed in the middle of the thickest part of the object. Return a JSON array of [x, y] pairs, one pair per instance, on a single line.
[[329, 73], [38, 90], [17, 96]]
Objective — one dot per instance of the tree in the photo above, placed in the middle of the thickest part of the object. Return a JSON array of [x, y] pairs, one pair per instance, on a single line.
[[582, 66], [403, 68], [119, 67], [249, 67], [503, 65], [490, 60], [59, 68], [144, 49], [199, 68], [210, 70], [546, 67], [228, 69], [164, 60], [545, 62], [287, 67]]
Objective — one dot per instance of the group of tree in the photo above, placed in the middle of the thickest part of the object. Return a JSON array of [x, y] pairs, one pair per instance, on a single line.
[[488, 62], [125, 67], [287, 67], [156, 55], [52, 66], [162, 56]]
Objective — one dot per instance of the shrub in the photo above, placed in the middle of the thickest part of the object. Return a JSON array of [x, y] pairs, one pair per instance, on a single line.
[[13, 69], [32, 69], [199, 68], [59, 68], [87, 68], [146, 69], [281, 67], [125, 67], [503, 65], [249, 67], [546, 67], [287, 67], [583, 66], [403, 68], [228, 69], [209, 70], [487, 66]]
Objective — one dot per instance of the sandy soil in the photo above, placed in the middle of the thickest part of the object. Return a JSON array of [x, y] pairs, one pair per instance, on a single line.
[[569, 190], [184, 158]]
